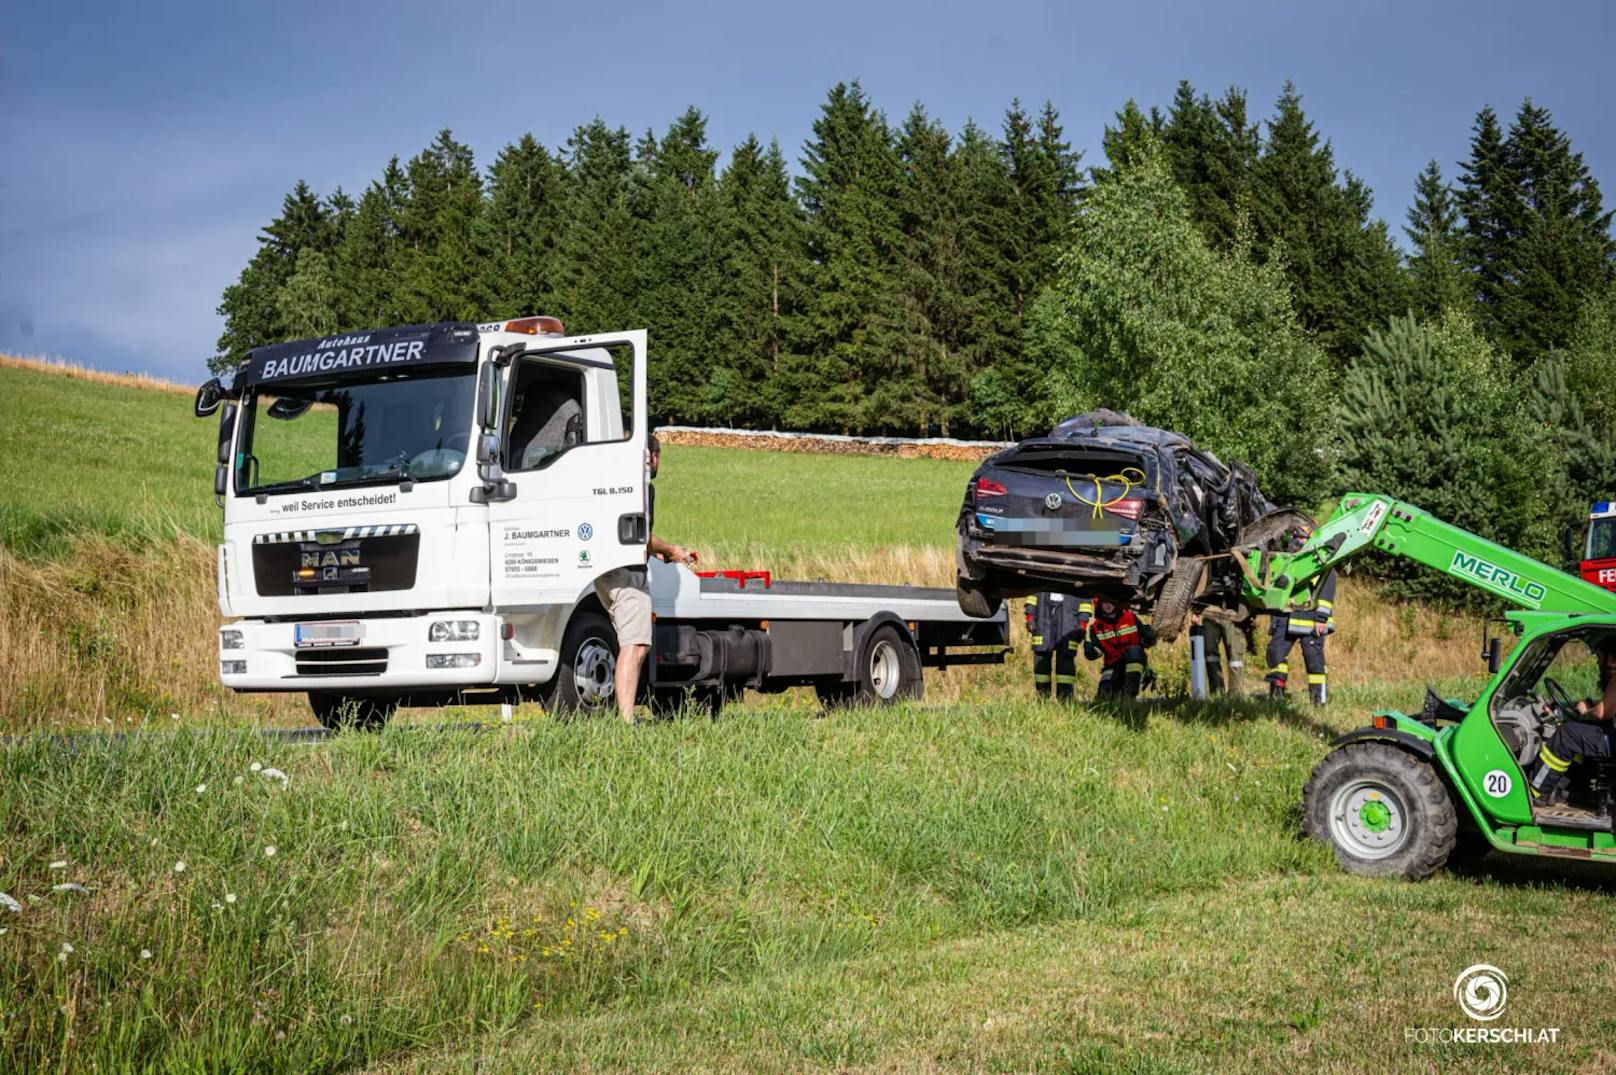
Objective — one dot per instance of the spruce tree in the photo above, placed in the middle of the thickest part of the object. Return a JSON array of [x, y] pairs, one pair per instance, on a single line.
[[1212, 150], [441, 269], [526, 187], [848, 191], [1341, 263], [1436, 273], [250, 306], [761, 267], [598, 236], [677, 272], [366, 260], [1537, 234]]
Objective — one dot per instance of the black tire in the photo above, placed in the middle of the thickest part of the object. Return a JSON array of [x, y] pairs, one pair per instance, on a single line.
[[583, 684], [888, 668], [337, 711], [1385, 811], [974, 600], [1172, 607]]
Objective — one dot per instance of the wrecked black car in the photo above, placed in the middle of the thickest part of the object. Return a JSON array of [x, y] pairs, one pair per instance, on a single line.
[[1106, 505]]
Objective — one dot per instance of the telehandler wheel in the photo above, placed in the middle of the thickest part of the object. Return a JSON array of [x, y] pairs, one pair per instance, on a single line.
[[1385, 811], [336, 711], [973, 600], [583, 685]]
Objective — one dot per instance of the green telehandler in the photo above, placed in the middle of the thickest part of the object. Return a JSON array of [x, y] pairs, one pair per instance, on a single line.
[[1410, 793]]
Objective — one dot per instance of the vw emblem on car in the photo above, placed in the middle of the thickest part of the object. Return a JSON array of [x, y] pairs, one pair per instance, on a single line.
[[1052, 501], [585, 532]]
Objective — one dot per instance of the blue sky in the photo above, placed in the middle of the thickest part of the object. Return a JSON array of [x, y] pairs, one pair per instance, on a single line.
[[143, 146]]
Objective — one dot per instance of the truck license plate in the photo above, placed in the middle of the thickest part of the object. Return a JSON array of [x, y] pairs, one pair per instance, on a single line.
[[327, 634]]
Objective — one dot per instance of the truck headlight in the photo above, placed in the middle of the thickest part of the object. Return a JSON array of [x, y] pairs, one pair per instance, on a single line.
[[233, 668], [453, 660], [229, 639], [453, 631]]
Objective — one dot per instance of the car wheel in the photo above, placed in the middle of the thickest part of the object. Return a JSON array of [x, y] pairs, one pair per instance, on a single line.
[[975, 600], [1173, 602]]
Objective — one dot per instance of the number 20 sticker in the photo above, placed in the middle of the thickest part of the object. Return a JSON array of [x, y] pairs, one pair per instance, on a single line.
[[1497, 783]]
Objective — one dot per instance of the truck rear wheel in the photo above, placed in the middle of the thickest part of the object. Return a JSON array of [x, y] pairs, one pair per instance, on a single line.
[[887, 670], [337, 711], [584, 683], [1386, 812]]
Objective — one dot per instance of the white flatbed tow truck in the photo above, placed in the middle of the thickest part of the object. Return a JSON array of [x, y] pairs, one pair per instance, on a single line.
[[417, 516]]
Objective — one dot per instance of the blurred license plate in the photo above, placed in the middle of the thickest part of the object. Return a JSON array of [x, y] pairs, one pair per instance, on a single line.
[[326, 634]]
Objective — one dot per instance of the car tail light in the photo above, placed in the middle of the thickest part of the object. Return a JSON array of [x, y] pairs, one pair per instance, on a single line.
[[1128, 507], [989, 487]]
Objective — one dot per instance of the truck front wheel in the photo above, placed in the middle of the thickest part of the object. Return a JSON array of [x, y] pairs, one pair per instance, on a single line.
[[1386, 812], [338, 711], [584, 684]]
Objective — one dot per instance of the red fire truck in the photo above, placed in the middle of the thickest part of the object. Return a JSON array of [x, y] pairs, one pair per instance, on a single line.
[[1599, 551]]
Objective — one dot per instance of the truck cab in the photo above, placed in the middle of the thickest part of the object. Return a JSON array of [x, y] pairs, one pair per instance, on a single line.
[[1599, 547], [418, 515], [384, 492]]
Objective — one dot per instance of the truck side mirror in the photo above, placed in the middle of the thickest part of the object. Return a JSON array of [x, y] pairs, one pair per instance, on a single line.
[[1495, 655], [227, 430], [221, 479], [208, 397], [488, 398], [488, 449]]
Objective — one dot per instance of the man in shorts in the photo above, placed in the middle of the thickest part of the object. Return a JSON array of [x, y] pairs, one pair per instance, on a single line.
[[626, 593]]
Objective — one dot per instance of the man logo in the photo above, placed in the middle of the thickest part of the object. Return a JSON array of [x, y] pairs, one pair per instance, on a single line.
[[1053, 501], [1482, 991]]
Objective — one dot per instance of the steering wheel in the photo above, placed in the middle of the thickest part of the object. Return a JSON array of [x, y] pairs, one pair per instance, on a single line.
[[1559, 698]]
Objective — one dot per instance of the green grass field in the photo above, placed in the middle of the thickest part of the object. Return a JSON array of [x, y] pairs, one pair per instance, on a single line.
[[1004, 885]]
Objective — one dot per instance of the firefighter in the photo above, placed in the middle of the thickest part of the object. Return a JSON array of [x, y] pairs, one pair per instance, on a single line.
[[1118, 637], [1056, 622], [1223, 637], [1309, 626], [1588, 739]]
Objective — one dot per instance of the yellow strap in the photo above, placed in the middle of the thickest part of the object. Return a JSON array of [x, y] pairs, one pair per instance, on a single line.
[[1131, 666], [1120, 478], [1315, 678], [1549, 758], [1038, 640], [1065, 679]]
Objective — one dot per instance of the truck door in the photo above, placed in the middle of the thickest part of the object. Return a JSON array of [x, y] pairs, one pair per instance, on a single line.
[[573, 448]]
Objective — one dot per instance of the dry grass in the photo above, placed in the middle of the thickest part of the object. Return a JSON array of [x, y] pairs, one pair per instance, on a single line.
[[65, 368], [106, 633]]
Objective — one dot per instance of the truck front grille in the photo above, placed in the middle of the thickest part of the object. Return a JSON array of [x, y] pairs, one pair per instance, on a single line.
[[342, 662], [389, 560]]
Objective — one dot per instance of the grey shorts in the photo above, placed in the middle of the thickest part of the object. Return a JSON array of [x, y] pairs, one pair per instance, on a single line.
[[626, 593]]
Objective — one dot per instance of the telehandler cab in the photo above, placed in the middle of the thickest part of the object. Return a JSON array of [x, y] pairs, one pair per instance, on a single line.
[[1409, 793]]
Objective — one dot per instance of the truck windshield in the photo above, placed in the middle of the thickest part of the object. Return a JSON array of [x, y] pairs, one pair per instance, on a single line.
[[1601, 539], [414, 425]]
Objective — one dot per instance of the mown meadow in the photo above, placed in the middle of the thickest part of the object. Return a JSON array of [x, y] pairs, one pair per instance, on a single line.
[[981, 881]]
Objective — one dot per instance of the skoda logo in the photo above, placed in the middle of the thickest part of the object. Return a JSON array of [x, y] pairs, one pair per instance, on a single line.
[[585, 531], [1052, 501]]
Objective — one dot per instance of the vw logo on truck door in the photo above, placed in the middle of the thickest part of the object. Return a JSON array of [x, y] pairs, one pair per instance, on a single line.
[[1053, 501]]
